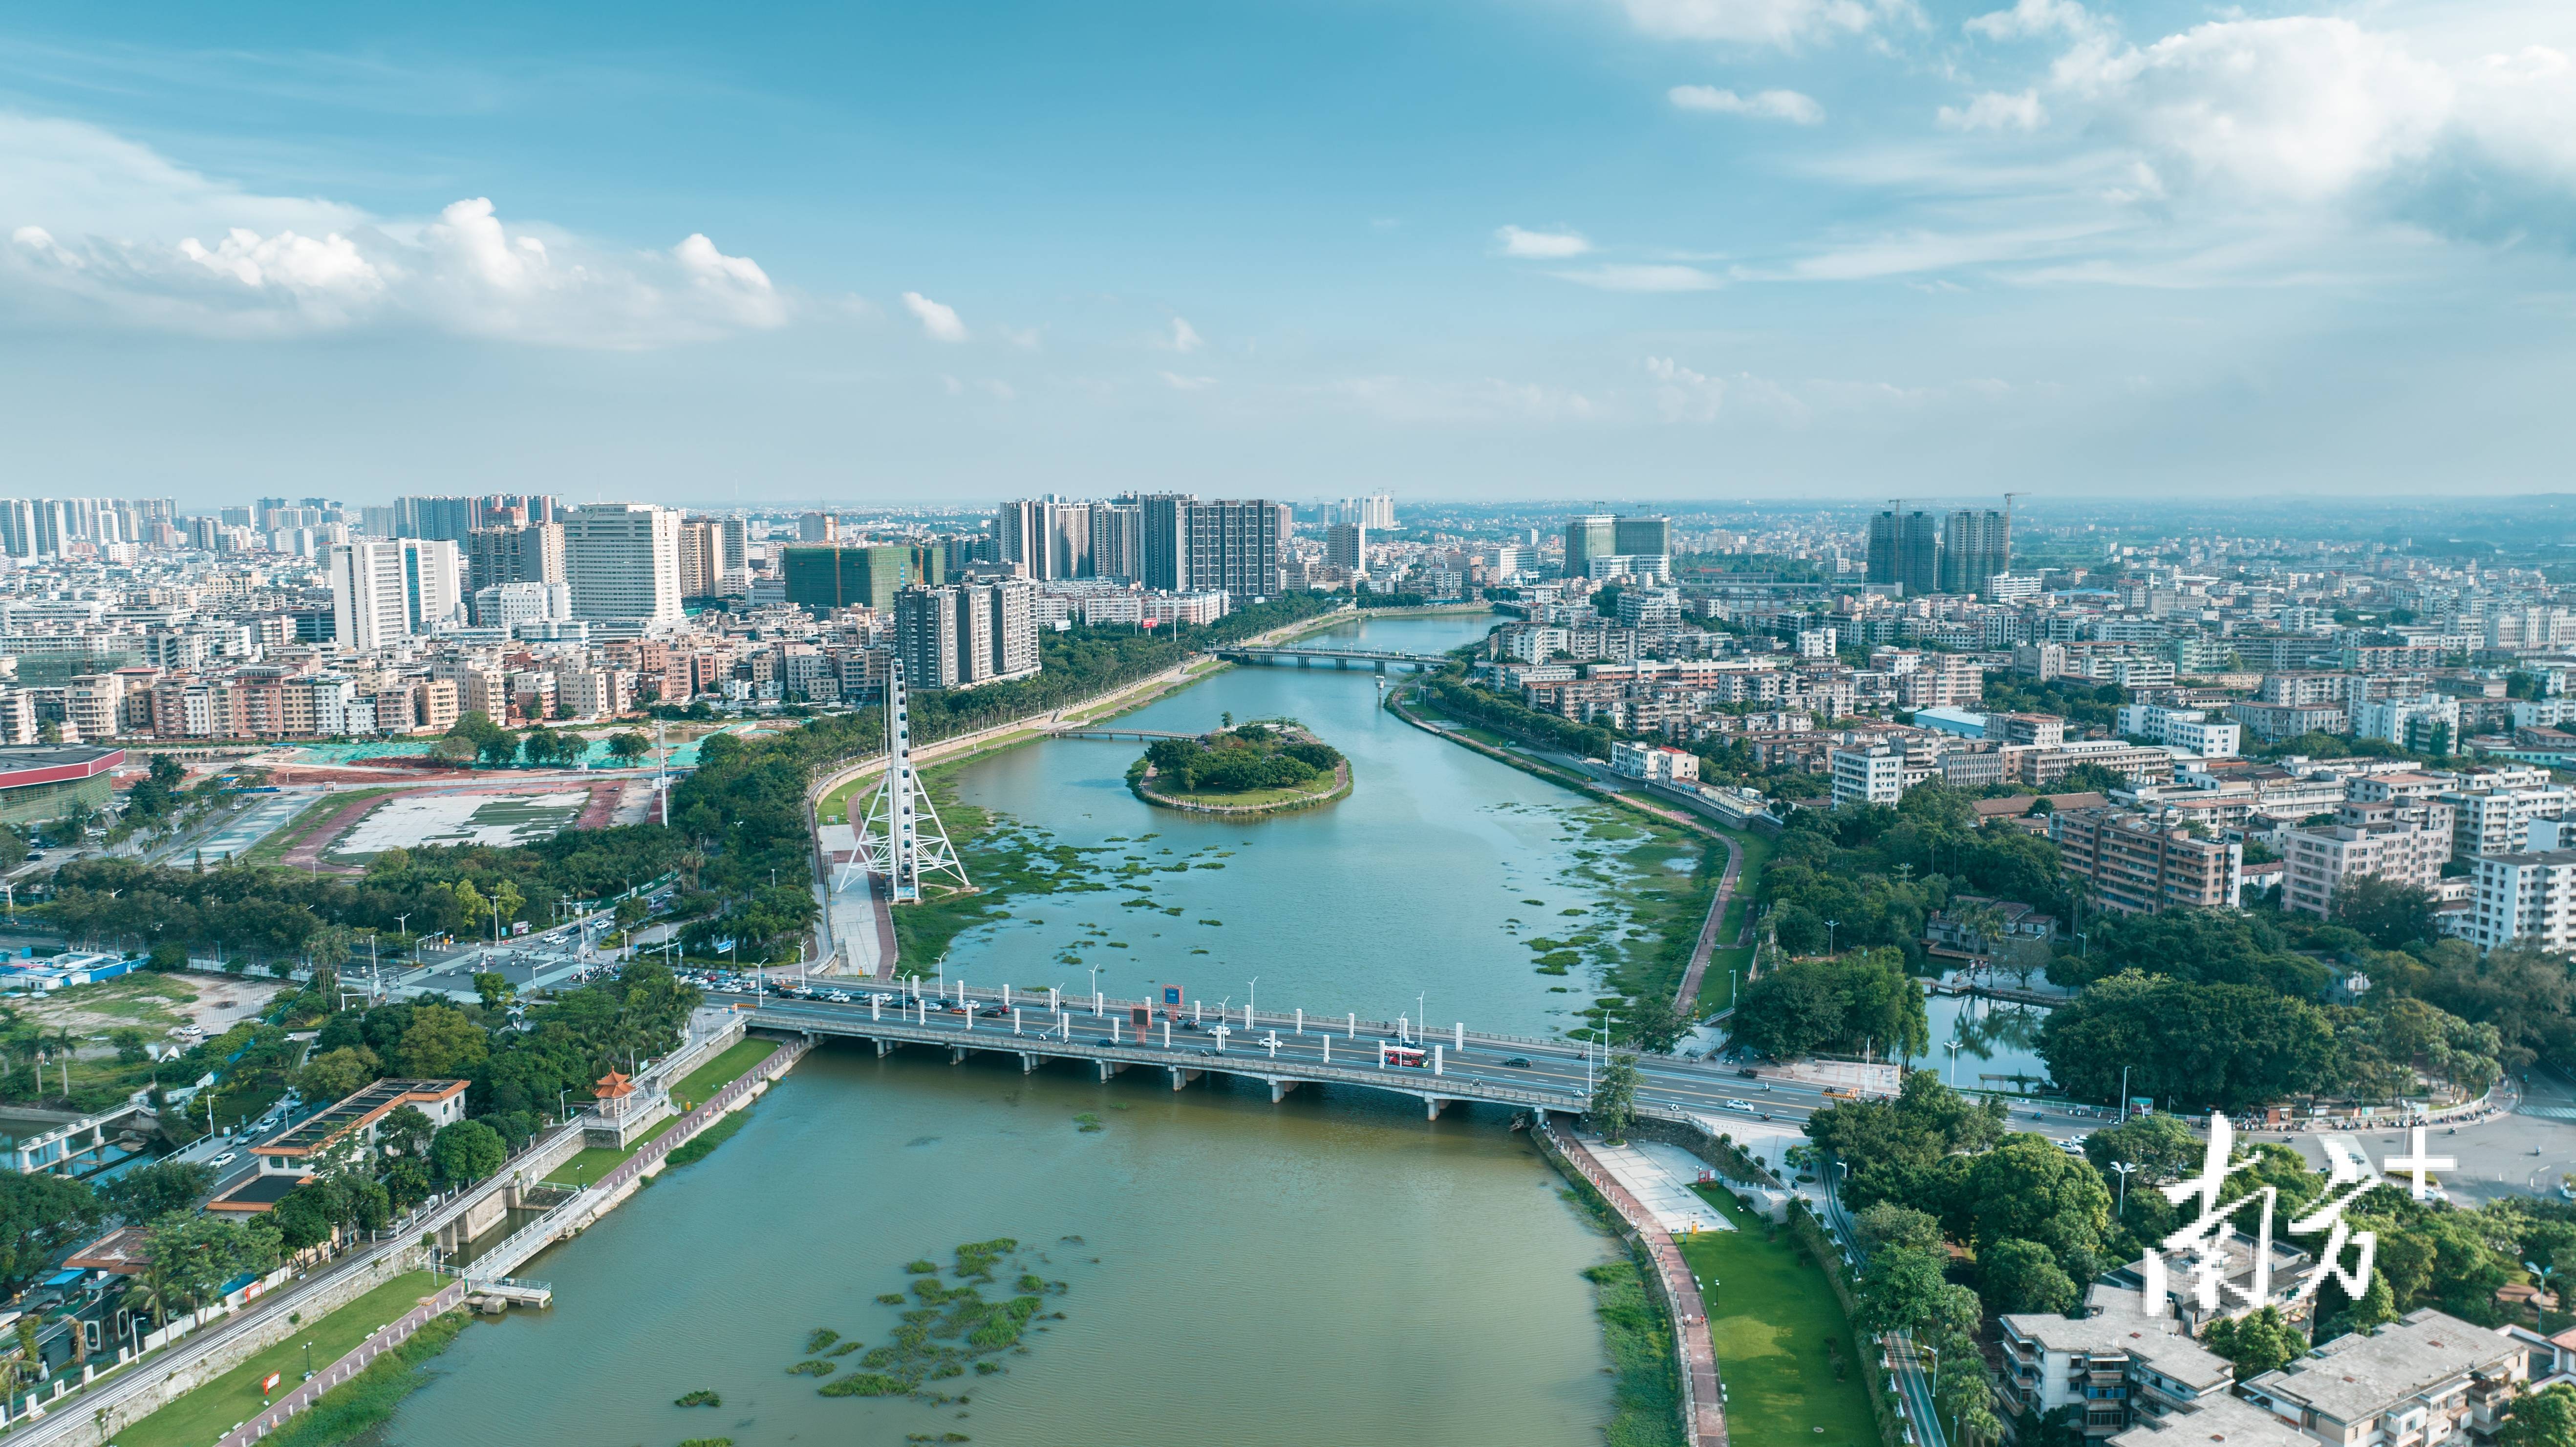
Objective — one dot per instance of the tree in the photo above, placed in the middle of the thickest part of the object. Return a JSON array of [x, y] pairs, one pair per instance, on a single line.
[[1653, 1024], [628, 746], [2160, 1146], [2545, 1418], [495, 989], [1900, 1289], [2027, 1189], [148, 1193], [466, 1151], [2228, 1045], [2257, 1343], [440, 1043], [2390, 912], [1885, 1224], [1614, 1096], [337, 1074], [2023, 1276], [191, 1257], [405, 1131], [40, 1215], [306, 1216]]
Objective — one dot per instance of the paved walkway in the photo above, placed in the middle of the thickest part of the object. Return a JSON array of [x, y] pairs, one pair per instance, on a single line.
[[1660, 1177], [1703, 1401]]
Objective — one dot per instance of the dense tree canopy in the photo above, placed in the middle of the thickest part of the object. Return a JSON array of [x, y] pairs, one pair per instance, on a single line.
[[1851, 1004]]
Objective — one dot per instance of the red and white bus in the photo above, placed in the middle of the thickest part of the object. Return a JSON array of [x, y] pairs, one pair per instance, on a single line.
[[1403, 1057]]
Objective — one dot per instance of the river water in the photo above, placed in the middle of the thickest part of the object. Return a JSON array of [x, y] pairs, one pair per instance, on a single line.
[[1330, 1269]]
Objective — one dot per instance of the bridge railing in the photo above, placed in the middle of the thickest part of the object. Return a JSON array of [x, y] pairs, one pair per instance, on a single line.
[[1411, 1080]]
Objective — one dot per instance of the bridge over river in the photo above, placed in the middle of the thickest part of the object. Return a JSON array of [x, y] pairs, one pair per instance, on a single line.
[[1284, 1050], [1377, 658]]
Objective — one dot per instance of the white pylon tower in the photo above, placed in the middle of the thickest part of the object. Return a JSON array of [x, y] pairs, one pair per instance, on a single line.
[[903, 838]]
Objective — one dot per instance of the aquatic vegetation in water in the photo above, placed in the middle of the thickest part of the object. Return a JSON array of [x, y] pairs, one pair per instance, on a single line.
[[819, 1338], [952, 1330], [699, 1398], [1087, 1121]]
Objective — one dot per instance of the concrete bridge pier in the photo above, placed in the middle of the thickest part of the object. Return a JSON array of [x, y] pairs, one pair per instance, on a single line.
[[1381, 668], [1435, 1104], [884, 1048], [1181, 1075], [1109, 1068], [1279, 1089], [1304, 662], [956, 1054], [1028, 1063]]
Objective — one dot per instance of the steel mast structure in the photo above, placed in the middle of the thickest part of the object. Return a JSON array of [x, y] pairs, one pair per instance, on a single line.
[[903, 839]]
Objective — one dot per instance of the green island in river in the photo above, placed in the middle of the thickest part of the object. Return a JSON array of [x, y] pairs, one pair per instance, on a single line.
[[1262, 767]]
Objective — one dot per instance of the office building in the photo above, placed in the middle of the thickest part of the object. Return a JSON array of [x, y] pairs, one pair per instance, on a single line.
[[1642, 536], [1975, 548], [1346, 547], [965, 635], [533, 553], [1595, 535], [622, 561], [821, 579]]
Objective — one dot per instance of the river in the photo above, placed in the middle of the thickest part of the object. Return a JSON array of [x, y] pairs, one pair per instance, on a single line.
[[1330, 1269]]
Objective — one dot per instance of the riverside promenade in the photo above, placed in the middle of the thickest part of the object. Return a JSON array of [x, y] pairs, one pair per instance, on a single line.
[[1703, 1400]]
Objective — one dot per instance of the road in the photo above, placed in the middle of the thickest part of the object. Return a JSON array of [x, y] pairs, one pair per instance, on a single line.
[[73, 1418]]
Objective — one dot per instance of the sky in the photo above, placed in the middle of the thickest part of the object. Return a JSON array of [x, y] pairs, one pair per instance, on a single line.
[[1659, 249]]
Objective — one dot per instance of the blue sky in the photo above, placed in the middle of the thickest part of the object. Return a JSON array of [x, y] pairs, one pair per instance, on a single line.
[[1525, 248]]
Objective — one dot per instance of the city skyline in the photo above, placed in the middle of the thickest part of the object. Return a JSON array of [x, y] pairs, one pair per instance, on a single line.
[[1664, 249]]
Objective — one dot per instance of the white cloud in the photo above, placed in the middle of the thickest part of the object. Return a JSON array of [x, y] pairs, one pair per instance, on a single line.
[[1772, 105], [1997, 111], [1760, 22], [2300, 109], [1179, 383], [104, 229], [2034, 17], [1541, 245], [1618, 277], [939, 323], [1185, 338]]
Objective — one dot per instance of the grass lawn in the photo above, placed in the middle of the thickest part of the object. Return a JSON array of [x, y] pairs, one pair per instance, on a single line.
[[211, 1410], [272, 850], [596, 1161], [728, 1066], [1778, 1332]]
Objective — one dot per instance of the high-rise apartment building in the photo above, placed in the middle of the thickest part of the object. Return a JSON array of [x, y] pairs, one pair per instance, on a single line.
[[1346, 546], [701, 559], [530, 554], [1118, 540], [382, 591], [1166, 534], [820, 579], [961, 636], [817, 527], [1884, 529], [1049, 538], [1595, 535], [1642, 536], [1918, 553], [1234, 547], [733, 557], [622, 560], [1975, 546], [451, 518]]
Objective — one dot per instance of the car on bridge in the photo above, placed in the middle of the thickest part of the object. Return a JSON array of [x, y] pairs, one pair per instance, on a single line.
[[1518, 1062], [1745, 1106]]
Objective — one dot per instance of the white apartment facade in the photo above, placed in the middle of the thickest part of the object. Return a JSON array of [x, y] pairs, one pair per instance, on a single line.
[[622, 561], [2406, 844], [2525, 897], [2183, 728], [1873, 775]]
